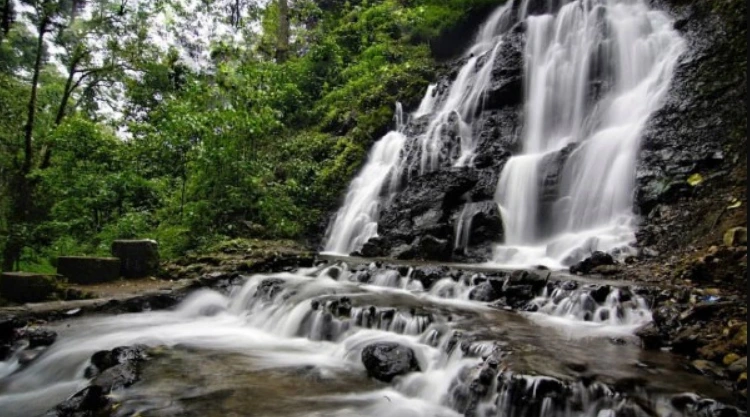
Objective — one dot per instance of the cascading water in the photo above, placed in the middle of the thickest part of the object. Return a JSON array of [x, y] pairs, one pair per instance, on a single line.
[[595, 71], [357, 220], [282, 328]]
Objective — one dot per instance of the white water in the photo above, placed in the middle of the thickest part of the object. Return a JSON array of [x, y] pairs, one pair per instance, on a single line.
[[464, 99], [357, 220], [292, 327], [635, 50]]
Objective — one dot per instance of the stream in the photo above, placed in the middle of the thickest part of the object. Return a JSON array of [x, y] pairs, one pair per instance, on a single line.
[[291, 344]]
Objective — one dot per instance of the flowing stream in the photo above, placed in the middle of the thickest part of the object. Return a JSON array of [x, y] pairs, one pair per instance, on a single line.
[[291, 344], [594, 72]]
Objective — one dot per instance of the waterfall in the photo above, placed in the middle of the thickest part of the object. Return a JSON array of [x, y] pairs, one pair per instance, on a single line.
[[356, 221], [593, 72]]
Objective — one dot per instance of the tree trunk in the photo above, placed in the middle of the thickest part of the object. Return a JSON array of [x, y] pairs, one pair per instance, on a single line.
[[21, 189], [31, 115], [6, 17], [67, 92], [282, 41]]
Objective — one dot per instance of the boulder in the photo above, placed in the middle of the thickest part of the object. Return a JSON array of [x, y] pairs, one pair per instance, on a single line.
[[22, 287], [385, 361], [120, 370], [429, 275], [40, 337], [484, 292], [597, 259], [139, 258], [88, 270], [651, 337]]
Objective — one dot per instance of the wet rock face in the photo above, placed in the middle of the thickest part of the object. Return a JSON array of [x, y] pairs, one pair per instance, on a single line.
[[386, 361], [506, 88], [428, 203], [484, 225], [270, 288], [701, 129], [416, 224]]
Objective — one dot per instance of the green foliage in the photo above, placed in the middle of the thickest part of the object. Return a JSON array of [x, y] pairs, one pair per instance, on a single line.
[[248, 148]]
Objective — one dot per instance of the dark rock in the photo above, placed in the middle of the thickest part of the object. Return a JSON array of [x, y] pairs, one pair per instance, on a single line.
[[385, 361], [596, 259], [484, 293], [651, 337], [481, 223], [374, 248], [687, 342], [139, 258], [40, 337], [429, 247], [120, 369], [333, 272], [21, 287], [507, 84], [536, 281], [601, 293], [88, 270], [269, 288], [361, 276], [418, 221], [8, 326], [569, 285], [429, 275], [517, 296]]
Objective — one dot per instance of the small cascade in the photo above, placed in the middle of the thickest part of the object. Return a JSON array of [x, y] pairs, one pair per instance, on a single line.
[[470, 357], [464, 100], [357, 220], [463, 226], [427, 106], [594, 305]]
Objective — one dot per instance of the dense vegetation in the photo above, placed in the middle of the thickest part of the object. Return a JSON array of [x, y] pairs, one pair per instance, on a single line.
[[106, 133]]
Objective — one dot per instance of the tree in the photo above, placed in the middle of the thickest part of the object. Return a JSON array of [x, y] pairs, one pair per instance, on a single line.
[[6, 18], [282, 38], [47, 16]]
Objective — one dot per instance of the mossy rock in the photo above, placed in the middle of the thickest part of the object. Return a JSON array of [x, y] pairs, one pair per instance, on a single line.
[[22, 287]]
